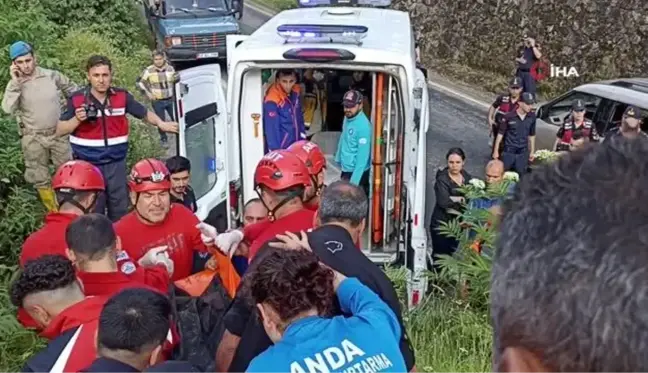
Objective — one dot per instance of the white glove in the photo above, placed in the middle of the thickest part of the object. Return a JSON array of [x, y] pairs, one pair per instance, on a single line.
[[207, 233], [155, 256], [228, 242]]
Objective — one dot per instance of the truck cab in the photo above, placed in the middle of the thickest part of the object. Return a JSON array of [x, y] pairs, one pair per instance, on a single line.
[[349, 47], [188, 30]]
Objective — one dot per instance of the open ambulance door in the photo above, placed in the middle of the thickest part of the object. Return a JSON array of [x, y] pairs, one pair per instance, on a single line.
[[202, 119], [416, 255], [231, 42]]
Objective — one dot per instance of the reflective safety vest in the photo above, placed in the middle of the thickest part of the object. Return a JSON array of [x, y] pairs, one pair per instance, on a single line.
[[105, 139], [569, 127]]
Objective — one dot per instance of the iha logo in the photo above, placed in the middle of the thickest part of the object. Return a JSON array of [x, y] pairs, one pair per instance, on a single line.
[[542, 70]]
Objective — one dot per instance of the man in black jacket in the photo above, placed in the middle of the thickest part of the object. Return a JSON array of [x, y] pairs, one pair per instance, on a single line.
[[342, 215]]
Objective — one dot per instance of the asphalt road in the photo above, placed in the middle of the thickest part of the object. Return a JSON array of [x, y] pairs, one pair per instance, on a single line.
[[453, 122]]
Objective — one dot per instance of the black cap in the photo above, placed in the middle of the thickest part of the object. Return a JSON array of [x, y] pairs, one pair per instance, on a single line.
[[352, 98], [528, 98], [578, 105], [632, 112], [516, 82]]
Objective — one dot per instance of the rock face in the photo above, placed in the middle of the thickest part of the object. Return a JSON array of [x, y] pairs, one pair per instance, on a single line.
[[599, 38]]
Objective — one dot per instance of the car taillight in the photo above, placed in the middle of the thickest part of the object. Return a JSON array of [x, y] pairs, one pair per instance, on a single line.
[[318, 54]]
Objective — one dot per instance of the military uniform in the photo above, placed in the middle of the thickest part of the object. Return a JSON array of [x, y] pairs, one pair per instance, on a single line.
[[35, 101]]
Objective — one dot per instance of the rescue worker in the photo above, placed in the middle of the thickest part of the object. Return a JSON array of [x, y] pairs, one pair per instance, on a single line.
[[283, 118], [312, 156], [96, 119], [361, 82], [94, 248], [77, 185], [517, 130], [33, 96], [294, 295], [181, 192], [157, 82], [314, 101], [157, 223], [50, 292], [504, 104], [529, 54], [280, 179], [576, 129], [133, 328], [253, 212], [630, 127], [354, 148]]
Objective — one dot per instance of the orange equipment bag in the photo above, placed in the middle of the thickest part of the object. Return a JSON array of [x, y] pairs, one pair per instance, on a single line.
[[196, 284]]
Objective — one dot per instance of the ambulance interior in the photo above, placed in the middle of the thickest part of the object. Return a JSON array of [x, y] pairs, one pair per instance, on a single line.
[[322, 90]]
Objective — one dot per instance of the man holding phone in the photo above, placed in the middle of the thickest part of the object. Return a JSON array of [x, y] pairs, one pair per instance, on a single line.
[[33, 96], [529, 54]]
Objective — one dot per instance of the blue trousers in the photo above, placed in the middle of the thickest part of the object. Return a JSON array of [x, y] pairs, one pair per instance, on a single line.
[[528, 83], [518, 162], [160, 108]]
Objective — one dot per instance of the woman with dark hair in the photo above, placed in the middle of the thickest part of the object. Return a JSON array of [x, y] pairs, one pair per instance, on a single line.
[[294, 295], [449, 201]]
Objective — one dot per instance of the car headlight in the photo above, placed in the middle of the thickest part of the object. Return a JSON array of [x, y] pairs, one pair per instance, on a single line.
[[170, 41]]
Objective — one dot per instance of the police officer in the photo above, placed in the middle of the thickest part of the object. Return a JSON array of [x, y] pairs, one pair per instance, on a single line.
[[33, 95], [504, 104], [630, 125], [529, 54], [96, 119], [517, 130], [576, 129]]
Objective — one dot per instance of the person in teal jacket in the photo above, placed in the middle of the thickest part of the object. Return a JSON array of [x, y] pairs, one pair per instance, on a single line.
[[354, 149], [294, 294]]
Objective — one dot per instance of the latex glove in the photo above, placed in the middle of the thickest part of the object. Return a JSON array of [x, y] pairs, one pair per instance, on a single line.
[[229, 241], [164, 258], [151, 257], [207, 233]]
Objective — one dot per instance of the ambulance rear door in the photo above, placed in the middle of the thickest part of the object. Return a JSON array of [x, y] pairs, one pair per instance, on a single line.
[[231, 43], [202, 118]]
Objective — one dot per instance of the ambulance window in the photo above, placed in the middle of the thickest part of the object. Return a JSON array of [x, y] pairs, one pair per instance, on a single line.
[[201, 151]]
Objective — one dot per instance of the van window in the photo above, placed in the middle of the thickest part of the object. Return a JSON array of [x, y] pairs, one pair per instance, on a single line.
[[201, 151]]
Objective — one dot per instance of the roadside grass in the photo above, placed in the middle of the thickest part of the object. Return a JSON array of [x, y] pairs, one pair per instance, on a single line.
[[277, 4]]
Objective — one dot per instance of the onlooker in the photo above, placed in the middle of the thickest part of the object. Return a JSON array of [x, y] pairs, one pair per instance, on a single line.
[[294, 295], [504, 104], [517, 130], [528, 55], [133, 327], [576, 130], [283, 117], [96, 119], [569, 274], [494, 175], [449, 201], [254, 212], [50, 292], [181, 192], [103, 268], [157, 82], [354, 149], [630, 125], [33, 95]]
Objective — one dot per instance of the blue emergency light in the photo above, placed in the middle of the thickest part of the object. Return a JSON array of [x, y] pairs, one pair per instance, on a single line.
[[314, 33], [368, 3]]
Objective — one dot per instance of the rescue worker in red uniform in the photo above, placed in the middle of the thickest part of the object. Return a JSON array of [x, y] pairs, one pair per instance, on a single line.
[[157, 224], [50, 292], [504, 104], [94, 248], [576, 129], [77, 185], [312, 156], [280, 179]]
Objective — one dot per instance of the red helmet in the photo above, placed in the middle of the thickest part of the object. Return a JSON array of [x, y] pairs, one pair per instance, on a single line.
[[310, 154], [149, 174], [78, 175], [281, 169]]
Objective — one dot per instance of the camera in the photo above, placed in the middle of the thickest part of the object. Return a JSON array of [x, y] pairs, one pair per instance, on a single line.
[[91, 112]]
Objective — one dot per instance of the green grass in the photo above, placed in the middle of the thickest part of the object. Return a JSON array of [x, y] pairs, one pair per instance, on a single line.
[[277, 4]]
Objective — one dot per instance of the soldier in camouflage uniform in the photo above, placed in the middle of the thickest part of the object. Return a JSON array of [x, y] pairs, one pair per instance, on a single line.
[[33, 96]]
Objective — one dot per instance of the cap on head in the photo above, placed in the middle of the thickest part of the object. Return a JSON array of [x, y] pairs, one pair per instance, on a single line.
[[149, 175], [528, 98], [78, 175], [309, 153], [19, 49], [281, 169], [578, 105], [632, 112], [352, 98], [515, 82]]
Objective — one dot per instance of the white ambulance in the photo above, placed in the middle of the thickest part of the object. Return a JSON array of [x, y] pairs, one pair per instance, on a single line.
[[222, 133]]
